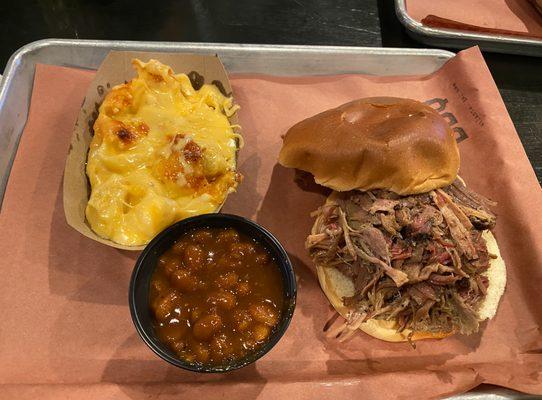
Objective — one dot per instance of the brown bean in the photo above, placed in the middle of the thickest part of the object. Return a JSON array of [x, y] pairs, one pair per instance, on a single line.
[[227, 236], [201, 351], [264, 313], [227, 280], [243, 288], [223, 299], [202, 236], [165, 305], [169, 264], [249, 343], [206, 326], [194, 256], [261, 258], [242, 319], [159, 285], [203, 284], [210, 259], [221, 347], [226, 263], [178, 247], [173, 332], [239, 251], [260, 332], [184, 281], [212, 310], [185, 311], [178, 346], [195, 314]]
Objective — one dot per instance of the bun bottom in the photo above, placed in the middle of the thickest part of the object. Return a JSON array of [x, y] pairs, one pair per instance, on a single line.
[[336, 286]]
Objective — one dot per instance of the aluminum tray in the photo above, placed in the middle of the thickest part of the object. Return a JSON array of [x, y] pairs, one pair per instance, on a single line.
[[463, 39], [16, 87]]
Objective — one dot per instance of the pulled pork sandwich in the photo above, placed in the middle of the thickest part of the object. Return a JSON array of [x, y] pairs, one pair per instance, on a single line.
[[402, 247]]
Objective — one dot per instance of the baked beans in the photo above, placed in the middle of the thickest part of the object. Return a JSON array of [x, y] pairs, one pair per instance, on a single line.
[[215, 295]]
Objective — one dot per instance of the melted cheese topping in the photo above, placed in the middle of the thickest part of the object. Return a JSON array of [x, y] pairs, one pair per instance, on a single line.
[[161, 152]]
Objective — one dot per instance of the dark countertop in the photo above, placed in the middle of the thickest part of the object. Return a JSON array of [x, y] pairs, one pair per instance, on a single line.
[[340, 22]]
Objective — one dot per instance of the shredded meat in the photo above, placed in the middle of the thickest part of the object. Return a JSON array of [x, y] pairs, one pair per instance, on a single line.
[[389, 223], [418, 260], [418, 273], [422, 313], [475, 206], [375, 241], [443, 280], [383, 205], [421, 292], [458, 224], [348, 270], [423, 221]]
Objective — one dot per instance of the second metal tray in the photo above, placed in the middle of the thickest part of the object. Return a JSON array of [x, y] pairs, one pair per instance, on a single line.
[[463, 39]]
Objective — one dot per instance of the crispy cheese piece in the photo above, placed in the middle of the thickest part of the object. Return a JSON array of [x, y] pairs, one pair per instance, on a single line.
[[161, 152]]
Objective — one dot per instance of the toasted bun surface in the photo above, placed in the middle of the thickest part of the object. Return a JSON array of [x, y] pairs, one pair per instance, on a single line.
[[335, 286], [389, 143], [496, 275]]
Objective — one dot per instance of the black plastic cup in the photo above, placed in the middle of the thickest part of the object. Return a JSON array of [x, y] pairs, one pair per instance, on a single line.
[[147, 261]]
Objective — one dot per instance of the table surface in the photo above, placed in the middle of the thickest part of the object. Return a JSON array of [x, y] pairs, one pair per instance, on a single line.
[[316, 22], [324, 22]]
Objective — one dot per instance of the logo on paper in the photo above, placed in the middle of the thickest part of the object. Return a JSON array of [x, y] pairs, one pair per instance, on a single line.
[[439, 105]]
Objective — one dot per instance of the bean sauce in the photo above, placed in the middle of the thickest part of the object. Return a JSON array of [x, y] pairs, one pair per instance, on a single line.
[[216, 295]]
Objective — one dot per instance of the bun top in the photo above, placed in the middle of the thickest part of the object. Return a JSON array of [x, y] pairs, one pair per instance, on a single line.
[[388, 143]]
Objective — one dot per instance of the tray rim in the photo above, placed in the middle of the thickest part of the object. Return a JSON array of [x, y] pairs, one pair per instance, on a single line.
[[16, 58], [172, 46], [486, 41]]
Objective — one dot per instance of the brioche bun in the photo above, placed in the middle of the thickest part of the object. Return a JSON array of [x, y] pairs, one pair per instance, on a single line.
[[390, 143], [335, 286]]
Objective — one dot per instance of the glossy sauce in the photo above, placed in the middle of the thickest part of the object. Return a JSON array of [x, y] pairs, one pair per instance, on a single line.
[[216, 295]]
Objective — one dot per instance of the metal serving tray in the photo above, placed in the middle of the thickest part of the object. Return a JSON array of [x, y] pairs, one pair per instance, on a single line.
[[463, 39], [16, 86]]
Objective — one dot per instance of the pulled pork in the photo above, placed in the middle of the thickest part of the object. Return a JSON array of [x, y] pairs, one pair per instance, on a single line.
[[418, 260]]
